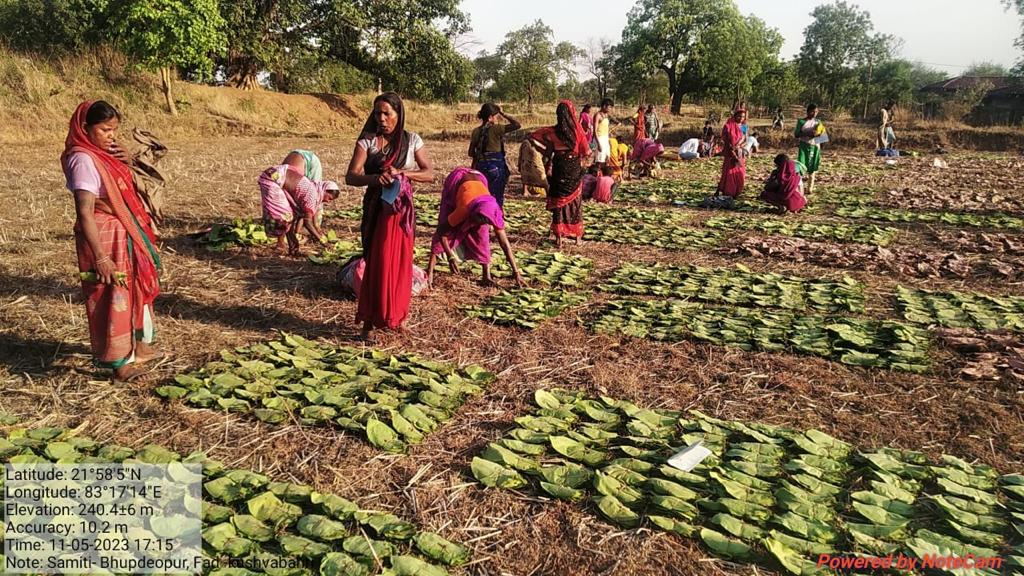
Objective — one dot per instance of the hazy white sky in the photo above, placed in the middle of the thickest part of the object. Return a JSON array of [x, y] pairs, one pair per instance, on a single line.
[[946, 34]]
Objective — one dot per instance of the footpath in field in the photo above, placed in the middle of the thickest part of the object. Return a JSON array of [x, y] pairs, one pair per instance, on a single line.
[[768, 495], [251, 520]]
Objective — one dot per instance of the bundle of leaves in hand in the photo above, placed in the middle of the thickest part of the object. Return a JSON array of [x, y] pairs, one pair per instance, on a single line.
[[997, 220], [961, 309], [395, 399], [834, 232], [766, 494], [120, 278], [738, 286], [250, 518], [338, 252], [238, 233], [873, 343], [525, 308]]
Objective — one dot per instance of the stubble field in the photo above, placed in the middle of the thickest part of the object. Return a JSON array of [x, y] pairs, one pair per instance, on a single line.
[[966, 402]]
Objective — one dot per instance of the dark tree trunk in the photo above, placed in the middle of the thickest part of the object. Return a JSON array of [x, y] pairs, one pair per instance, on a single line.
[[242, 72], [674, 89]]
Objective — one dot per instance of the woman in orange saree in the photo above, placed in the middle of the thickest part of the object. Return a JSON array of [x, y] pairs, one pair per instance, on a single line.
[[117, 255]]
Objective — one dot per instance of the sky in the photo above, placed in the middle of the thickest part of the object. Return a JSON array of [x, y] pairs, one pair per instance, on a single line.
[[948, 35]]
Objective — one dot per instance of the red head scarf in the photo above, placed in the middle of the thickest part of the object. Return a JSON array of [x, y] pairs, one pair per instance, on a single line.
[[124, 201], [582, 145]]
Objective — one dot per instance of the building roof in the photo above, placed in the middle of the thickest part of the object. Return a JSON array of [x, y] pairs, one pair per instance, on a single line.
[[967, 83]]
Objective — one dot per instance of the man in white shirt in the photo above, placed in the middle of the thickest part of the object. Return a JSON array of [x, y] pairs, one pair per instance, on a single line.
[[690, 150]]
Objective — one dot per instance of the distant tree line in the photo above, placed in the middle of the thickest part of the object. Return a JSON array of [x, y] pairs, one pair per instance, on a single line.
[[670, 51]]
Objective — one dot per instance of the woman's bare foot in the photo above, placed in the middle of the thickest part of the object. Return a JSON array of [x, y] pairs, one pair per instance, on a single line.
[[129, 372], [146, 353]]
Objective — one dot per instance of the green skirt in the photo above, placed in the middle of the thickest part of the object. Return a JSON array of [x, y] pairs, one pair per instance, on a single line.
[[810, 157]]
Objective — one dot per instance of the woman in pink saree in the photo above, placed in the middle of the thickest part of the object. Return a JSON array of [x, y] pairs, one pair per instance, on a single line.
[[468, 212], [734, 164], [784, 189]]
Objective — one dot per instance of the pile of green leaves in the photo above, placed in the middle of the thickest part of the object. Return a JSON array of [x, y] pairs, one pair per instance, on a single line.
[[767, 494], [738, 286], [1001, 221], [248, 517], [847, 196], [658, 190], [874, 343], [651, 227], [354, 213], [395, 399], [525, 307], [239, 232], [827, 232], [339, 252], [544, 267], [961, 309]]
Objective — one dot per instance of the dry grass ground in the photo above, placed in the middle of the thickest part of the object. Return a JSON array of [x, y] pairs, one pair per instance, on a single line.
[[213, 301]]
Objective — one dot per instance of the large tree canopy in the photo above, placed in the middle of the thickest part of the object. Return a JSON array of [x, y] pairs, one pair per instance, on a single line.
[[166, 35], [703, 47], [531, 63], [839, 53]]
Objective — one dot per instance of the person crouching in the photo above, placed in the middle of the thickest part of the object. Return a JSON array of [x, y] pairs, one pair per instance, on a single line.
[[291, 200], [468, 211]]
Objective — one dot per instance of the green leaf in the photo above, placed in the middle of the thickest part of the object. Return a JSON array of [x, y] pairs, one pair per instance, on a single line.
[[268, 508], [383, 436], [616, 512], [341, 564], [321, 528], [336, 506], [437, 548], [496, 475], [725, 546], [252, 528], [411, 566]]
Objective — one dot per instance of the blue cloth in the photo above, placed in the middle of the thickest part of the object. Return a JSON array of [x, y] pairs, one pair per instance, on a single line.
[[494, 167]]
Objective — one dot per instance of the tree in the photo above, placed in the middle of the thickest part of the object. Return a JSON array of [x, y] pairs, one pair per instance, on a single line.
[[600, 61], [166, 34], [486, 68], [777, 85], [52, 27], [533, 63], [398, 41], [838, 43], [703, 47], [986, 69], [261, 35]]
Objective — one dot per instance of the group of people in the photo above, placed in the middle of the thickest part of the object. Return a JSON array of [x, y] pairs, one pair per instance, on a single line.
[[784, 188], [573, 159]]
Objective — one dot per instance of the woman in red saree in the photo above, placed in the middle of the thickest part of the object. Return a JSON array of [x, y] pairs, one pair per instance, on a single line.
[[783, 189], [564, 146], [387, 160], [117, 255], [734, 164], [639, 126]]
